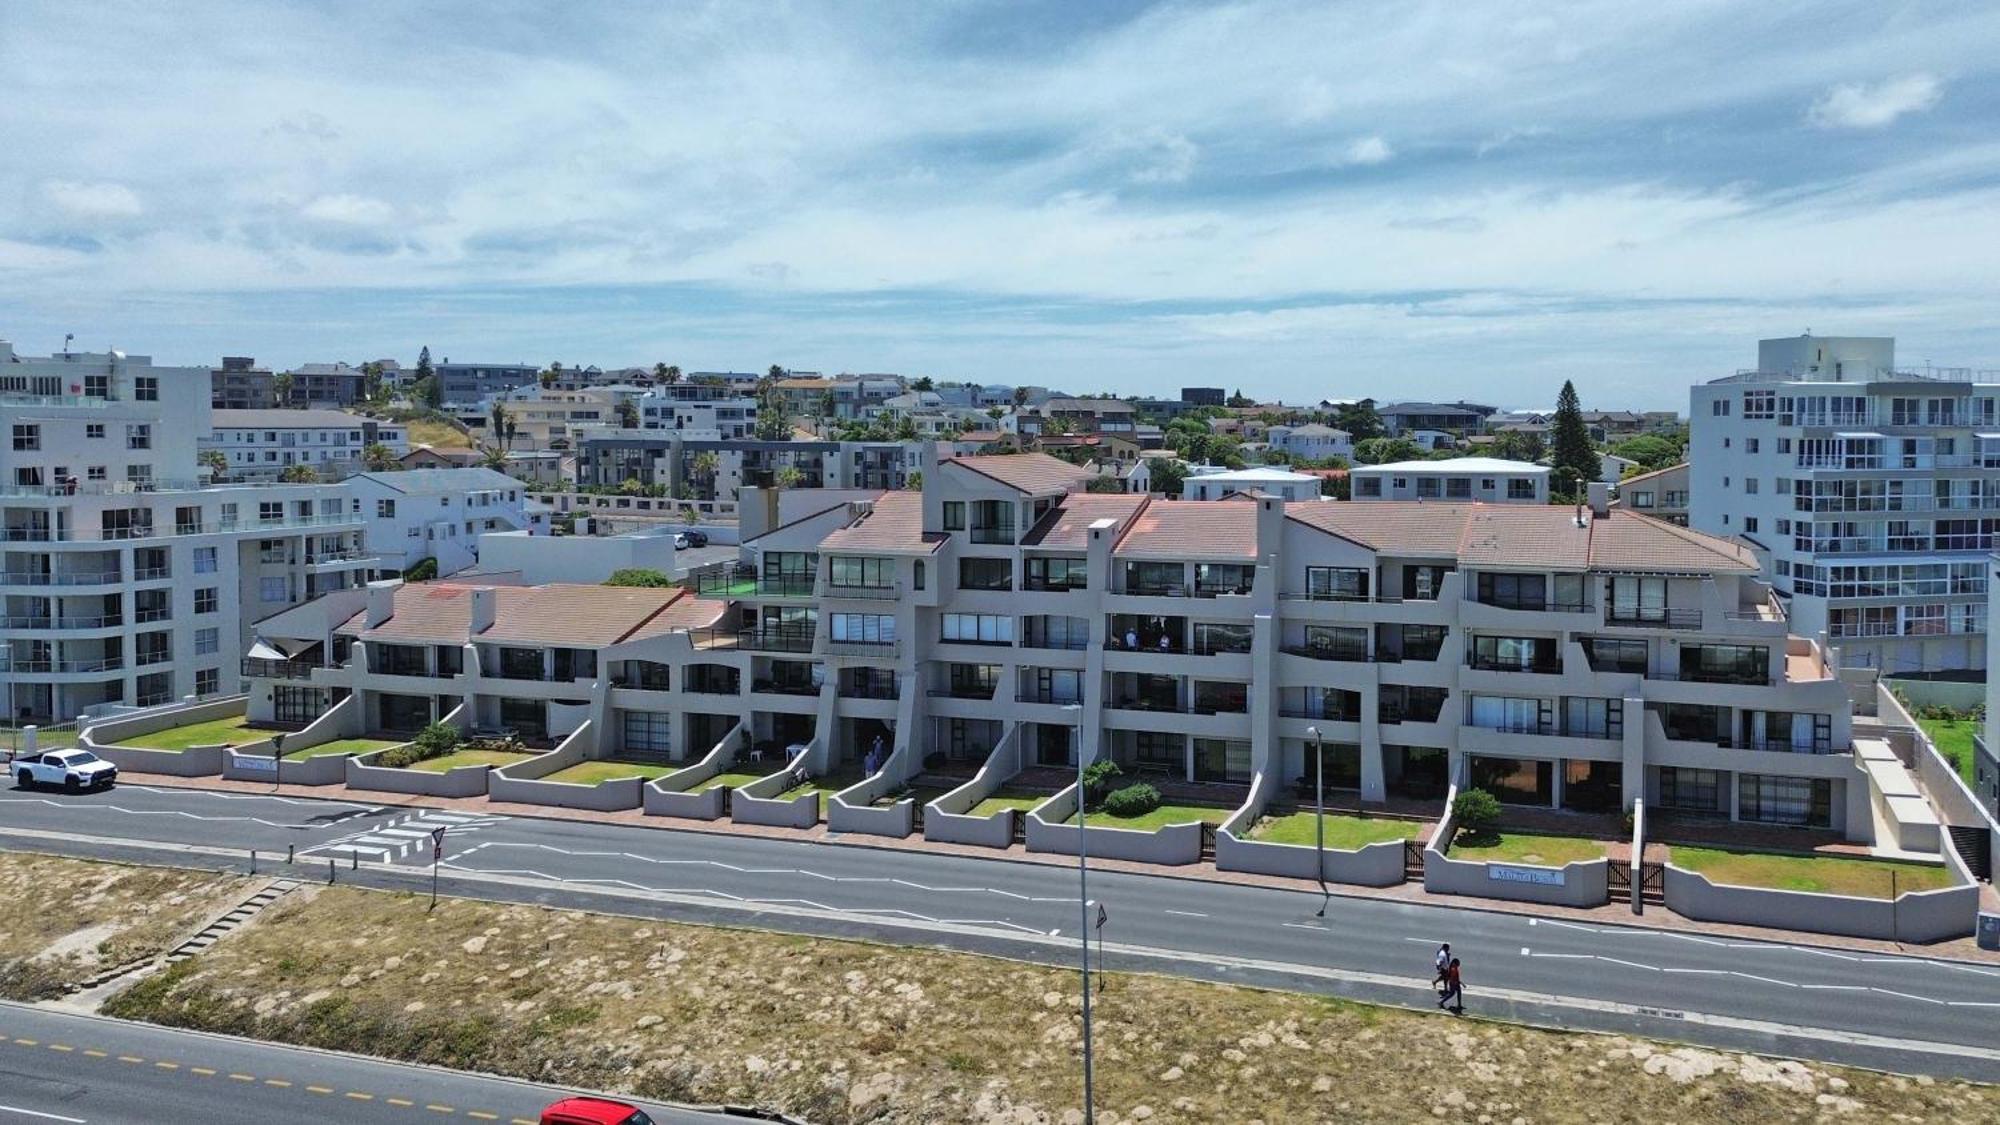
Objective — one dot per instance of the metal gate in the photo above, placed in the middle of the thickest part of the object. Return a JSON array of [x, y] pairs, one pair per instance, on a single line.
[[1207, 842], [1413, 858]]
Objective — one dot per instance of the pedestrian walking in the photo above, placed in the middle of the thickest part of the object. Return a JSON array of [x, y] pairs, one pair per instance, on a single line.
[[1453, 990], [1441, 962]]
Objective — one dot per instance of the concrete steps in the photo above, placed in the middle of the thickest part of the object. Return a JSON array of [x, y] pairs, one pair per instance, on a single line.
[[244, 911]]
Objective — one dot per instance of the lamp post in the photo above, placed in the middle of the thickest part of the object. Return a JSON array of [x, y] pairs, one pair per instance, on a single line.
[[1083, 904], [277, 758], [1319, 816]]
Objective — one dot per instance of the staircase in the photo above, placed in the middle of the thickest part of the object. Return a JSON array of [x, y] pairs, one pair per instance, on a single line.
[[1975, 846], [247, 909]]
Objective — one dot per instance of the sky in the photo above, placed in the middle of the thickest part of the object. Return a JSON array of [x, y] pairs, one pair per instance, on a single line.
[[1399, 200]]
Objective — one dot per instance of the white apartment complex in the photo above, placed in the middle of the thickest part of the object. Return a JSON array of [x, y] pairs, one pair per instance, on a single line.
[[1872, 495], [262, 444], [1556, 659], [124, 579], [1488, 480]]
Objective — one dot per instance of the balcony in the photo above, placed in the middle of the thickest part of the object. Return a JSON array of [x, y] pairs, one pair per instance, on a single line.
[[753, 640], [868, 690], [255, 669], [1322, 714], [406, 668], [866, 593], [1055, 698], [142, 616], [1144, 703], [1512, 726], [110, 664], [1534, 605], [1653, 617], [1727, 676], [44, 621], [784, 687], [1536, 667], [1347, 653], [1069, 644], [992, 533], [34, 578], [151, 573], [1046, 586], [969, 691], [879, 650]]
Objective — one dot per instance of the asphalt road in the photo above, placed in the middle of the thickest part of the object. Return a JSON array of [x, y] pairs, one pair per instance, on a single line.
[[67, 1069], [1908, 1013]]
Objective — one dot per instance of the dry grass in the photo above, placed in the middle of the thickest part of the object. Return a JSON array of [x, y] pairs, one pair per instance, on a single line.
[[473, 757], [1820, 874], [841, 1032], [63, 920]]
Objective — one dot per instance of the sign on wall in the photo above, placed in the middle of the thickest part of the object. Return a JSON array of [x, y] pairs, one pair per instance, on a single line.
[[1543, 876]]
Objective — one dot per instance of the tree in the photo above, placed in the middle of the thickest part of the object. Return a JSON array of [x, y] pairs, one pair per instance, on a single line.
[[1359, 419], [788, 477], [423, 570], [705, 466], [499, 421], [906, 428], [299, 474], [1574, 458], [628, 414], [1650, 451], [828, 407], [775, 372], [1475, 813], [1519, 445], [913, 483], [215, 462], [631, 486], [995, 413], [1168, 475], [371, 380], [553, 373], [1104, 483], [428, 391], [1384, 450], [379, 458], [638, 576], [1337, 488], [281, 387], [1225, 451], [495, 458], [424, 369], [1241, 399], [923, 383], [1020, 397]]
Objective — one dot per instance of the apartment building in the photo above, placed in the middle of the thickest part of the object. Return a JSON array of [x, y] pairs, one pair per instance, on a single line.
[[1662, 494], [1557, 660], [469, 384], [261, 444], [239, 384], [327, 385], [1312, 441], [1452, 417], [715, 469], [718, 416], [1077, 416], [1489, 480], [1870, 493]]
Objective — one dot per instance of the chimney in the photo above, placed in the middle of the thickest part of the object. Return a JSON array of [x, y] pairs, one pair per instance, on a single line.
[[484, 600], [382, 601], [1598, 494]]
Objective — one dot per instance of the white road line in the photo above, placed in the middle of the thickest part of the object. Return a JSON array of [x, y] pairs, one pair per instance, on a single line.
[[39, 1114], [405, 833], [1187, 913]]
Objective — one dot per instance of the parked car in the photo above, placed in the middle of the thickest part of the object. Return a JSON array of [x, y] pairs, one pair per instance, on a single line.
[[690, 538], [74, 770], [594, 1111]]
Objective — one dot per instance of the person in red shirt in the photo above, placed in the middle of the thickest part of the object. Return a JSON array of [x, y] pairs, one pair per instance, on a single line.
[[1453, 991]]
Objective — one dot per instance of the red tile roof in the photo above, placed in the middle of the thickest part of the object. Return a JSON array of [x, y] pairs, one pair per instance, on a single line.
[[1526, 536], [556, 614], [894, 523], [1192, 529], [1032, 473], [1067, 526]]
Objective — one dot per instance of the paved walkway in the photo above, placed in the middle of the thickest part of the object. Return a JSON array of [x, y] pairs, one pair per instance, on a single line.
[[1654, 917]]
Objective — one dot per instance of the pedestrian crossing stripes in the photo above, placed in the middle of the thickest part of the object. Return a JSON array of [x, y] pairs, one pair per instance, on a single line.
[[401, 837]]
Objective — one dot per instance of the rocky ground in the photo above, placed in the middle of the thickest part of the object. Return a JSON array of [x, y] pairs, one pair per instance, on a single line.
[[62, 921], [851, 1032]]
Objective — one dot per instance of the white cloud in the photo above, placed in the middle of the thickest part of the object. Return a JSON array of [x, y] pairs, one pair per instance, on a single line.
[[99, 200], [1168, 158], [1367, 151], [1860, 106], [356, 210]]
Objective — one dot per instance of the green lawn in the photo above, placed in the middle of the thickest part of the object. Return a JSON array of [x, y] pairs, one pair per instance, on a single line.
[[1008, 799], [826, 786], [1953, 738], [345, 746], [609, 769], [1830, 875], [458, 758], [734, 779], [1346, 833], [233, 731], [1520, 847], [1160, 817], [921, 795]]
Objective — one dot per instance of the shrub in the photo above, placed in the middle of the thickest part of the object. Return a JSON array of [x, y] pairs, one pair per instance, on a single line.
[[423, 571], [1475, 812], [435, 741], [638, 576], [1133, 800], [1096, 776]]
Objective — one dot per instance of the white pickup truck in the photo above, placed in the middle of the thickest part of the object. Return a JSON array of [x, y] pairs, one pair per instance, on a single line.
[[74, 770]]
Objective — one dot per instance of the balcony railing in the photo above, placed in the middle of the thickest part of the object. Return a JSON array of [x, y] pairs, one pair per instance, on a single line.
[[1512, 726], [35, 578], [1155, 590], [1141, 703], [1221, 590], [406, 668], [1538, 667], [1043, 585], [111, 664], [1390, 715], [1348, 653], [22, 534], [255, 669], [1218, 648], [866, 593], [868, 690], [1071, 644], [44, 621], [784, 687], [974, 692], [156, 656], [1531, 606], [993, 533], [1170, 648], [1714, 676], [757, 640], [1320, 713], [1653, 617], [142, 616], [151, 573], [878, 649], [1058, 698]]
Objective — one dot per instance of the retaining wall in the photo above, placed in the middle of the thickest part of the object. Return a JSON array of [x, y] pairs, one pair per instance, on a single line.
[[1916, 916], [1585, 882], [759, 803], [671, 796], [524, 781], [195, 761], [100, 738], [944, 818], [1172, 845], [852, 809], [245, 763]]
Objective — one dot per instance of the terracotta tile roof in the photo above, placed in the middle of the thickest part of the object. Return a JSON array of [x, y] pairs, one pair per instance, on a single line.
[[683, 614], [573, 615], [1526, 536], [1067, 526], [1031, 473], [1191, 529], [895, 523], [1640, 478]]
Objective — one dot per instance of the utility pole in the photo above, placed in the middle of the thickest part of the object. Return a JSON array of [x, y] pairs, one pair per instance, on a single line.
[[1319, 816], [1083, 906]]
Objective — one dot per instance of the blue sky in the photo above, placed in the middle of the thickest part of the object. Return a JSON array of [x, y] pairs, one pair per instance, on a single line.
[[1404, 200]]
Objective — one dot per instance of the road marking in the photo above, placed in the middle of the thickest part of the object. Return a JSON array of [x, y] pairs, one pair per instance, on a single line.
[[1187, 913], [205, 1072], [1524, 951], [440, 1109], [243, 1077], [36, 1113], [130, 1059], [280, 1083], [61, 1047], [404, 1102], [95, 1053], [164, 1065], [359, 1096], [317, 1089], [482, 1115], [29, 1042]]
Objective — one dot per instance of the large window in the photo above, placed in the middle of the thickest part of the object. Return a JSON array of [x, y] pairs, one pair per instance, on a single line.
[[648, 732], [977, 629], [1804, 801], [1637, 598], [848, 570], [1337, 583], [1517, 654], [1594, 718], [1161, 752], [1210, 638], [1155, 578], [1725, 664], [1044, 573], [1511, 714], [1608, 655], [1514, 591], [1515, 781], [1222, 578], [863, 628], [985, 574], [1217, 759], [1687, 790], [972, 681]]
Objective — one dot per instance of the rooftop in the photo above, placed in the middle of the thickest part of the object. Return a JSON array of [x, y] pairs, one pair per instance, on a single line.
[[1032, 473], [1067, 526], [1178, 530], [1459, 465], [1527, 536], [894, 523], [557, 614], [286, 419], [435, 482]]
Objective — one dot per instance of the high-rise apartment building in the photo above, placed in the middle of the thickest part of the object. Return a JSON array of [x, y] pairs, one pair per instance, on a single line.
[[1871, 494]]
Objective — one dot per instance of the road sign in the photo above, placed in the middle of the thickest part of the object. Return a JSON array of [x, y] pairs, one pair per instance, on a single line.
[[437, 844], [1102, 917]]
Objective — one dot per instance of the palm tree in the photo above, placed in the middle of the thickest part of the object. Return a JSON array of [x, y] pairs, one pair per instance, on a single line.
[[628, 414], [379, 458], [215, 462], [705, 465], [500, 420], [495, 458], [281, 388], [1020, 397]]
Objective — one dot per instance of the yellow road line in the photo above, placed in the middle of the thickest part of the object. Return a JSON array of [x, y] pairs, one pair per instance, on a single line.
[[440, 1109], [405, 1102], [61, 1047], [95, 1053], [243, 1077], [202, 1070], [359, 1096], [319, 1089], [278, 1082]]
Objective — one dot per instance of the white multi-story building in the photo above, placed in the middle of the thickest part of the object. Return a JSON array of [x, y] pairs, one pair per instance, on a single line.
[[1489, 480], [1871, 494], [1212, 482], [1558, 659], [1312, 441], [125, 579], [419, 514], [706, 419], [262, 444]]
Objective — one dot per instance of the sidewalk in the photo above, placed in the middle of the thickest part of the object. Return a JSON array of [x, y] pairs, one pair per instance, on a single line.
[[1613, 914]]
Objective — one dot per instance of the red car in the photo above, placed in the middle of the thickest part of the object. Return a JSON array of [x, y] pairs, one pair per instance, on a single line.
[[594, 1111]]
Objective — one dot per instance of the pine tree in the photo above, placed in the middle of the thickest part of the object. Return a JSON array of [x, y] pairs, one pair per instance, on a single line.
[[1573, 458]]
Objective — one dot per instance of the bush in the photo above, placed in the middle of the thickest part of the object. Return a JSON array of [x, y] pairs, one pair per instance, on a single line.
[[638, 576], [1475, 812], [1096, 776], [423, 571], [435, 741], [1133, 800]]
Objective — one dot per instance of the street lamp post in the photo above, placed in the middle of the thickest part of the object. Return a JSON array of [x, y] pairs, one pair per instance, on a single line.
[[1319, 815], [1083, 907]]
